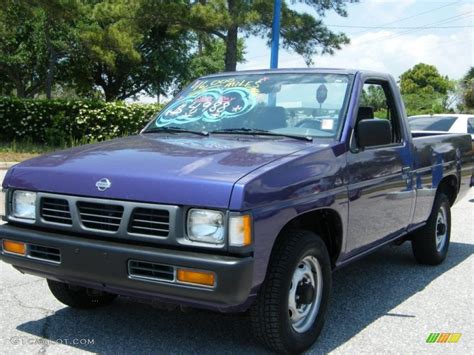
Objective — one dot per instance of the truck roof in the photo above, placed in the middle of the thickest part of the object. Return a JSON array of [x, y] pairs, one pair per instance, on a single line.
[[295, 70]]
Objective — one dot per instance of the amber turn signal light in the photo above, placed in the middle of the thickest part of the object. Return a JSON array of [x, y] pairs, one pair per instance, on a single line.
[[13, 247], [240, 231], [205, 278]]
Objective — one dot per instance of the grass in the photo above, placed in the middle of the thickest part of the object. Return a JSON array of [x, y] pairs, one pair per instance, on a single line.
[[19, 151]]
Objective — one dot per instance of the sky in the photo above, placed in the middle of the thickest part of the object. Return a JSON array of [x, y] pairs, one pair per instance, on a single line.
[[382, 47], [392, 50]]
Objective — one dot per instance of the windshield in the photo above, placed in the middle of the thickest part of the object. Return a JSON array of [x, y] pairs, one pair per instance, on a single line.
[[294, 104], [431, 123]]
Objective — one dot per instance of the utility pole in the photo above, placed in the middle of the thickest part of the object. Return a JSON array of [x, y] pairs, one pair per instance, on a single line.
[[275, 34]]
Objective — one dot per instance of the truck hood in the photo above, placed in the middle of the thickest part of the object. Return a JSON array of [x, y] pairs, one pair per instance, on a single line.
[[169, 169]]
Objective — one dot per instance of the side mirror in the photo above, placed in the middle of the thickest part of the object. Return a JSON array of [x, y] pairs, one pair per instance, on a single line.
[[373, 132]]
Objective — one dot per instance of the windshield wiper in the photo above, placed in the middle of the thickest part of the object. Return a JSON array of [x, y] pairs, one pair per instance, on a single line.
[[262, 132], [172, 129]]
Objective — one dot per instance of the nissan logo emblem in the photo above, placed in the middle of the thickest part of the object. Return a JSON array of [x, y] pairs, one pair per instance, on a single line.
[[103, 184]]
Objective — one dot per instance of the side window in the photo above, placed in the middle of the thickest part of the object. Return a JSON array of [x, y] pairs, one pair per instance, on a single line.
[[377, 102], [470, 125], [373, 96]]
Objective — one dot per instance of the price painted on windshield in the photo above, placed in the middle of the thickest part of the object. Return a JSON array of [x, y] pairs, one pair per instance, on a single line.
[[210, 106]]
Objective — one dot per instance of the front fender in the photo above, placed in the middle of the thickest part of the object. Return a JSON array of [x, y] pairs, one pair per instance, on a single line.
[[303, 182]]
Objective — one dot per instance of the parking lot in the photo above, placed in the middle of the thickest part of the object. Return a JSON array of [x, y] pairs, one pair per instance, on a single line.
[[385, 303]]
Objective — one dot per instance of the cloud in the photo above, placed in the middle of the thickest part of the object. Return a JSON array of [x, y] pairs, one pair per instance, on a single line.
[[391, 52], [466, 7]]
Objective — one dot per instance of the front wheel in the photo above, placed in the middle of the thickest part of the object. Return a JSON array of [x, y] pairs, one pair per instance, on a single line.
[[290, 309], [78, 296], [430, 243]]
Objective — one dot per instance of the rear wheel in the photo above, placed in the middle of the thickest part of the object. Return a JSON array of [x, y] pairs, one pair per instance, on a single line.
[[78, 296], [430, 244], [290, 309]]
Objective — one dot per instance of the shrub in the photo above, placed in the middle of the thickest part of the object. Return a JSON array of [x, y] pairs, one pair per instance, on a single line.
[[69, 122]]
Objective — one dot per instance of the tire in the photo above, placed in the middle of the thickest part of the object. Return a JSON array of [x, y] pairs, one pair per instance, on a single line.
[[270, 313], [79, 297], [430, 243]]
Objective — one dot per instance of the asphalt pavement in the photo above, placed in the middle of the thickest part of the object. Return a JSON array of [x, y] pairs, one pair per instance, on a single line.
[[385, 303]]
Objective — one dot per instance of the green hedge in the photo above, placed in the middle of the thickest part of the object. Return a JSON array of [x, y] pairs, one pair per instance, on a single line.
[[70, 122]]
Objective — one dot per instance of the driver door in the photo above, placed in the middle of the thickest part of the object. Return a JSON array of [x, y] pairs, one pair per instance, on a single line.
[[380, 190]]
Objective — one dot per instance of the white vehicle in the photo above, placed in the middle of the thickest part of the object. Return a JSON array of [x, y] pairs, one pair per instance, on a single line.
[[450, 123]]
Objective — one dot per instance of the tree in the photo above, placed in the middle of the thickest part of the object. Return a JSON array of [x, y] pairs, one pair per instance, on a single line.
[[424, 76], [467, 92], [125, 50], [423, 103], [374, 97], [36, 35], [225, 19], [59, 32], [23, 54], [117, 49], [106, 51], [6, 85], [210, 57], [91, 48], [425, 90], [119, 54]]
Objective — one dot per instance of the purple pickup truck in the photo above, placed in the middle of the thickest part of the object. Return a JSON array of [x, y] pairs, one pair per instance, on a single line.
[[243, 194]]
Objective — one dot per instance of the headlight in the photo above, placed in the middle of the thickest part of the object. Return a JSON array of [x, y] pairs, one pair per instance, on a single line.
[[206, 226], [240, 231], [24, 205], [3, 201]]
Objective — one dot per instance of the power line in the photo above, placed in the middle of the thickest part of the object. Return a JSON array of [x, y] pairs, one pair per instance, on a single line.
[[413, 16], [399, 27], [443, 21], [422, 13], [409, 28]]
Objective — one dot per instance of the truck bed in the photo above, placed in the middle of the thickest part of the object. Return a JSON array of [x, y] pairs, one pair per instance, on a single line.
[[435, 156]]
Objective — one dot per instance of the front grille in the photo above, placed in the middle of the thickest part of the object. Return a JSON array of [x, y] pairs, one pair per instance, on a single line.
[[44, 253], [150, 221], [96, 217], [55, 210], [100, 216], [150, 271]]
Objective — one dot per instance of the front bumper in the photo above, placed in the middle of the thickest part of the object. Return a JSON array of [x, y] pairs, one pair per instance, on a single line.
[[102, 265]]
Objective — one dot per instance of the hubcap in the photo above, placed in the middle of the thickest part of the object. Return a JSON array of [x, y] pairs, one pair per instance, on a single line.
[[441, 228], [305, 294]]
